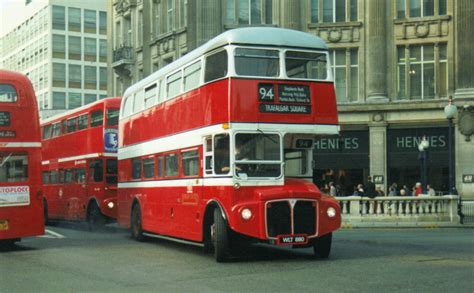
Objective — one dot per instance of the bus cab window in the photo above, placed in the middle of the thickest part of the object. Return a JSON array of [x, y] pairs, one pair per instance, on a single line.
[[221, 154], [208, 164], [96, 170], [7, 93], [111, 171]]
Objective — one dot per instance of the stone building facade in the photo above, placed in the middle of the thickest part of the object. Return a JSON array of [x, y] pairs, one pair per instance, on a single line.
[[395, 64]]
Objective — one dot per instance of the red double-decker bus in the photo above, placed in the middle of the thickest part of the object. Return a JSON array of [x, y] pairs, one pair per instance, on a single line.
[[79, 167], [215, 149], [21, 205]]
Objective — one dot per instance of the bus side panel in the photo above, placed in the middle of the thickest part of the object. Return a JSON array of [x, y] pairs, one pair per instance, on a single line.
[[24, 221], [195, 109], [245, 103]]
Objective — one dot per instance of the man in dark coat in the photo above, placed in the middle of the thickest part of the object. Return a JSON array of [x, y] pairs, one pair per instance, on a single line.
[[370, 188]]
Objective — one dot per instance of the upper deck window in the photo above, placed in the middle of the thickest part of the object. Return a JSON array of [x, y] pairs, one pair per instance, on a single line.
[[82, 121], [192, 76], [47, 132], [112, 117], [7, 93], [150, 95], [307, 65], [257, 62], [174, 84], [56, 129], [97, 118], [216, 66], [72, 124], [127, 106]]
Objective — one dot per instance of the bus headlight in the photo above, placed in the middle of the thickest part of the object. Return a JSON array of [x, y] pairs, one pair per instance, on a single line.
[[111, 205], [331, 212], [246, 214]]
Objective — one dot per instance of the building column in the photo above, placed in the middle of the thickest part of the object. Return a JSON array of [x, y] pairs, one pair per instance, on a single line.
[[464, 63], [291, 14], [378, 151], [464, 93], [376, 52], [146, 37], [209, 20]]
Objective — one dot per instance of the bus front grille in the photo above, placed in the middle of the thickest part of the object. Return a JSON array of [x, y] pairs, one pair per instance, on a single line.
[[285, 218]]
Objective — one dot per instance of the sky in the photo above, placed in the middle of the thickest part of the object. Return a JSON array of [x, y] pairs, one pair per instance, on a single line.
[[13, 13]]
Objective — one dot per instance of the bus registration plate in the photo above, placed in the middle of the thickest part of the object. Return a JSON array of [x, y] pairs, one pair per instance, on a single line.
[[292, 239], [3, 225]]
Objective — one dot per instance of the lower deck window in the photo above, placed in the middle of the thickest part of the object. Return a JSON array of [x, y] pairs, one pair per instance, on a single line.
[[13, 166]]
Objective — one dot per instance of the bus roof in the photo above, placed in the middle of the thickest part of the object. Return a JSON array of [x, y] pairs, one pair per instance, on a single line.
[[259, 36], [71, 113]]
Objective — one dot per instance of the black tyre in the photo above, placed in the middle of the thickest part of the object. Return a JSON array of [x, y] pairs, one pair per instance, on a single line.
[[7, 244], [136, 223], [322, 246], [220, 237], [95, 219]]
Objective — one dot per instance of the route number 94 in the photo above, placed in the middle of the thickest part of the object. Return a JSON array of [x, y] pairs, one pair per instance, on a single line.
[[266, 93]]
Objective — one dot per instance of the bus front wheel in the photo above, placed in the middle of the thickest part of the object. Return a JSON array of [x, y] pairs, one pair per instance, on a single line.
[[136, 223], [220, 237], [322, 246], [95, 219]]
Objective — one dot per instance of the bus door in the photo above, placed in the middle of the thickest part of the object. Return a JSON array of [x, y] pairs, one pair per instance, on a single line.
[[190, 193], [78, 201], [95, 181], [67, 193]]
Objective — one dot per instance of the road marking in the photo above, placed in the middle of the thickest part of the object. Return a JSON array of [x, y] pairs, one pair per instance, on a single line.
[[52, 234]]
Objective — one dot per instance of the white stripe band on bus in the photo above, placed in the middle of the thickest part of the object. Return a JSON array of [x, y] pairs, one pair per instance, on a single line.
[[81, 157], [20, 144], [194, 137], [196, 182]]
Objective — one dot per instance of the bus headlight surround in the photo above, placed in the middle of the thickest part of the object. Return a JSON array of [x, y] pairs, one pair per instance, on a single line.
[[331, 212], [111, 205], [246, 214]]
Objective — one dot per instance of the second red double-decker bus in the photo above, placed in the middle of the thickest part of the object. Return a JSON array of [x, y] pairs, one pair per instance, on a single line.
[[80, 163], [215, 149], [21, 205]]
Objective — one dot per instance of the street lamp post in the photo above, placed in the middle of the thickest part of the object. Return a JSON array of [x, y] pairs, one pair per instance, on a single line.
[[423, 156], [450, 111]]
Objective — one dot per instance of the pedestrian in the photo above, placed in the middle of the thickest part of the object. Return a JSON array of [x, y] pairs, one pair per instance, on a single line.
[[431, 191], [370, 188], [379, 191], [392, 190], [332, 189], [417, 189]]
